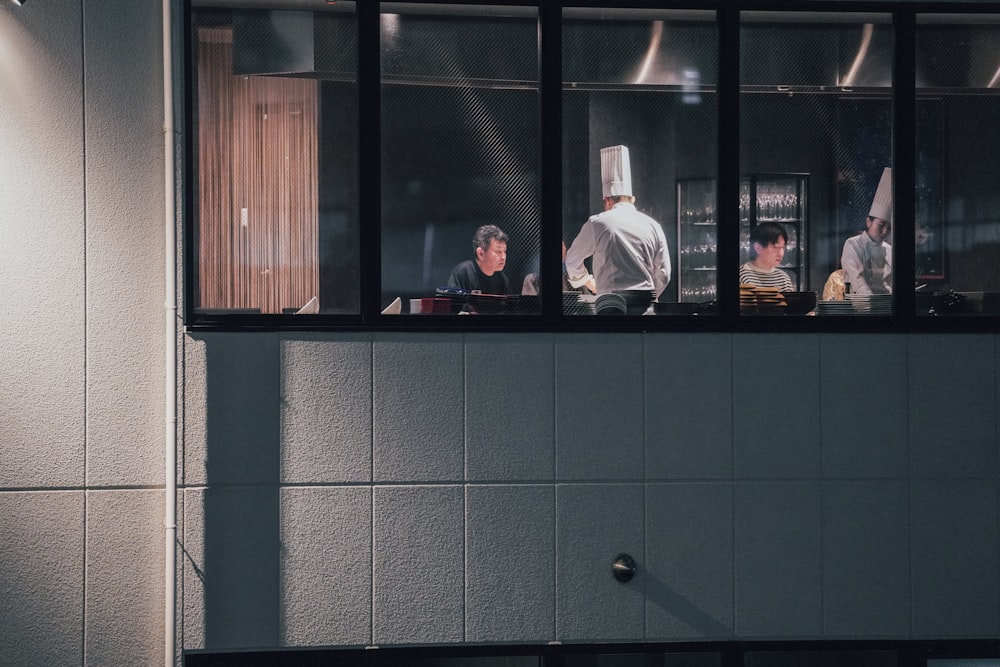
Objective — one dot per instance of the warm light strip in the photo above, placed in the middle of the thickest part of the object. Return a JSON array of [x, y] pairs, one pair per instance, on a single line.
[[866, 40], [654, 46]]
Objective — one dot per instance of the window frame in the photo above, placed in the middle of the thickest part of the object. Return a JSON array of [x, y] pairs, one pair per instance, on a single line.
[[551, 319]]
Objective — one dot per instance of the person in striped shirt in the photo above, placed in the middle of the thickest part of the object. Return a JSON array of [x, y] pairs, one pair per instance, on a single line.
[[768, 240]]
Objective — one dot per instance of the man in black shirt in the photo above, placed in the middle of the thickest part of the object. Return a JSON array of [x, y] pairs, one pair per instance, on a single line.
[[484, 274]]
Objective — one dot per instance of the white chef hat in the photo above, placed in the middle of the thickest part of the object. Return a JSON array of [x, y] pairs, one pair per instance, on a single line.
[[882, 203], [616, 172]]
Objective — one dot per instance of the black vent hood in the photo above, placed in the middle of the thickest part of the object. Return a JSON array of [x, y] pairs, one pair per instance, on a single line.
[[291, 43]]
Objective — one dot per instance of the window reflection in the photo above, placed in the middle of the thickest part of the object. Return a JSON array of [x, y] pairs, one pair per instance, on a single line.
[[957, 229], [460, 147], [816, 138]]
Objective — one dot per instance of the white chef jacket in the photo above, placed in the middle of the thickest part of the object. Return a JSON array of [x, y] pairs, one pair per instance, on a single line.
[[629, 251], [867, 265]]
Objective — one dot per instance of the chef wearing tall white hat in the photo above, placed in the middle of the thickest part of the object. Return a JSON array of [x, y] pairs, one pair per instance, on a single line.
[[867, 257], [628, 247]]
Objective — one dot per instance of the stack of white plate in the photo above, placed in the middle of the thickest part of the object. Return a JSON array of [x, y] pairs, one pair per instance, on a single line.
[[870, 304], [834, 308]]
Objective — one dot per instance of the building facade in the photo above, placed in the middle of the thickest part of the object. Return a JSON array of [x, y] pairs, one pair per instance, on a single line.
[[384, 488]]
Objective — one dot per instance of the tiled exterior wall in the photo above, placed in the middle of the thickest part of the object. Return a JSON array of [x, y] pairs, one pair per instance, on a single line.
[[357, 489], [450, 488]]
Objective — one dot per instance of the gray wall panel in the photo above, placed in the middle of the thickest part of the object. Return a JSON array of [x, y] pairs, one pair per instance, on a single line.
[[776, 406], [866, 565], [509, 411], [418, 577], [864, 405], [418, 408], [326, 563], [510, 563], [778, 560], [689, 561], [595, 523], [689, 406], [954, 558], [599, 407], [326, 405], [953, 400]]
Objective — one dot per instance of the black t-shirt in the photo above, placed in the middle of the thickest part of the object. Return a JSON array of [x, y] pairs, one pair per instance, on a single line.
[[467, 276]]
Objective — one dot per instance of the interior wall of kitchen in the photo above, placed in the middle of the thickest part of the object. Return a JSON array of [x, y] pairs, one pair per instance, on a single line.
[[343, 489]]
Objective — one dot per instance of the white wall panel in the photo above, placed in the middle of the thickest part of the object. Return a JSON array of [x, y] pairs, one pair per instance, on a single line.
[[125, 239], [41, 578], [125, 589], [42, 228]]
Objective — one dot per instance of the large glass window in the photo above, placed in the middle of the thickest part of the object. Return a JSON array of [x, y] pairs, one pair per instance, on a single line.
[[461, 222], [658, 127], [275, 134], [957, 227], [815, 154], [640, 112]]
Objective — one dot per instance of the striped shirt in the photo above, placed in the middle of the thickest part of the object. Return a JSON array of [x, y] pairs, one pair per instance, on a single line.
[[751, 275]]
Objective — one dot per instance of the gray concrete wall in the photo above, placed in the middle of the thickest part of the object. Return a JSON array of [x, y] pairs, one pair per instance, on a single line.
[[383, 489], [360, 488]]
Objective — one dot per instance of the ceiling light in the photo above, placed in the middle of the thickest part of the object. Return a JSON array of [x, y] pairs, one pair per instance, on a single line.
[[19, 2]]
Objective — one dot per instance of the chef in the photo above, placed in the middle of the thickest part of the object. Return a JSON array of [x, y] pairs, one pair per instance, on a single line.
[[628, 248], [867, 257]]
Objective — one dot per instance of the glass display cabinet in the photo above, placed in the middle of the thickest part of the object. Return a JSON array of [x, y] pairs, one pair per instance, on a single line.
[[781, 198], [696, 240]]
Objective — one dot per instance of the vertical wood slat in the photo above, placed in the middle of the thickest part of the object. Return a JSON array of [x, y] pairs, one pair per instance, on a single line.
[[258, 150]]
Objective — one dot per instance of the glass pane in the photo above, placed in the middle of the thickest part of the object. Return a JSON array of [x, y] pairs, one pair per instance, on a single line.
[[816, 142], [461, 223], [957, 233], [643, 83], [275, 156]]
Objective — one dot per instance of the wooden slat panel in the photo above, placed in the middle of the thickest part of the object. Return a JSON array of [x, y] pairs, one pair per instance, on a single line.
[[258, 150]]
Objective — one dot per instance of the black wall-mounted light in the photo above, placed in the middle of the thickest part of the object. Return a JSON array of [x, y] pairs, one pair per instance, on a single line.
[[19, 2]]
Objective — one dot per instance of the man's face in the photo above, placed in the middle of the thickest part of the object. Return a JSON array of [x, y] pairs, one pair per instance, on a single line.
[[770, 255], [493, 258], [878, 229]]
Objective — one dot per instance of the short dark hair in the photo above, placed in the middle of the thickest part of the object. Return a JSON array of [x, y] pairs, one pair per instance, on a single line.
[[767, 233], [485, 234]]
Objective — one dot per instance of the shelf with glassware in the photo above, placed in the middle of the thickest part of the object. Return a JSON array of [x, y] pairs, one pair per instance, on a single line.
[[781, 198]]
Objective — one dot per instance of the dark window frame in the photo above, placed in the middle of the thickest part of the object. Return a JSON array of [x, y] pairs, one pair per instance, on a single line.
[[551, 319], [908, 653]]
